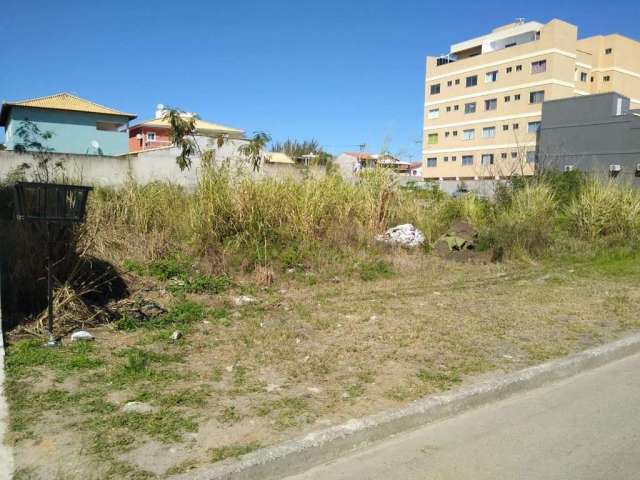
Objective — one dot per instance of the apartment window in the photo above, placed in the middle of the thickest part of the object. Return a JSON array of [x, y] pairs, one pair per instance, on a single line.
[[518, 68], [448, 109], [487, 159], [591, 78], [503, 156], [449, 83], [453, 159], [491, 77], [491, 104], [514, 154], [507, 98], [467, 160], [151, 136], [489, 132], [455, 133], [607, 51], [515, 126], [509, 45], [434, 113], [432, 162], [516, 97], [505, 127], [457, 81], [432, 138], [435, 89], [446, 134], [539, 66], [606, 78], [583, 76], [472, 81], [509, 69], [108, 126], [536, 97], [469, 134], [446, 159], [533, 127], [470, 107], [456, 108]]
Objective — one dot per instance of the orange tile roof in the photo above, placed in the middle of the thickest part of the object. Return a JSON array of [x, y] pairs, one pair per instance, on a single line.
[[62, 101]]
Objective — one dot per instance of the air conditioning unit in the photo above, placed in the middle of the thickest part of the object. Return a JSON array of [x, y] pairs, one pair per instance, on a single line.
[[615, 168], [638, 170], [569, 168]]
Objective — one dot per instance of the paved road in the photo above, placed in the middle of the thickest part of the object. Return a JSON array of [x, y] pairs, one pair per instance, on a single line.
[[586, 427]]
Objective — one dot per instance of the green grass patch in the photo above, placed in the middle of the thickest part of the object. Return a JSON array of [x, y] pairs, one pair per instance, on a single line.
[[286, 412], [375, 270], [232, 451], [440, 379], [181, 315]]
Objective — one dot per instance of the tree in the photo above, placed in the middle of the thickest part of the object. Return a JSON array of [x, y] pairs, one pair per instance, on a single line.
[[34, 140], [182, 135], [296, 149], [254, 150]]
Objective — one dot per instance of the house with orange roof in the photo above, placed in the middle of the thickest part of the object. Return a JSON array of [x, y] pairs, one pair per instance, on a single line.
[[154, 133], [75, 125]]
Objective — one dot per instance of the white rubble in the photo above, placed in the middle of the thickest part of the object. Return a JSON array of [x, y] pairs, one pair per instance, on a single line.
[[406, 235], [243, 300], [81, 335], [138, 407]]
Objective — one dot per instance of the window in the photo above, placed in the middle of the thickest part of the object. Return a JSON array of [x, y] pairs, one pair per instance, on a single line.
[[592, 78], [509, 45], [467, 160], [432, 138], [446, 134], [491, 77], [457, 81], [469, 134], [607, 51], [583, 76], [108, 126], [487, 159], [446, 159], [514, 154], [470, 107], [435, 89], [434, 113], [606, 78], [507, 98], [456, 108], [505, 127], [516, 97], [448, 109], [449, 83], [503, 155], [491, 104], [536, 97], [453, 159], [432, 162], [151, 136], [455, 133], [472, 81], [539, 66], [533, 127], [509, 69], [489, 132], [515, 126], [518, 68]]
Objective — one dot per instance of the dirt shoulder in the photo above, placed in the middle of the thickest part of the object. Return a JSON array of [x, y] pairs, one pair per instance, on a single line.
[[259, 365]]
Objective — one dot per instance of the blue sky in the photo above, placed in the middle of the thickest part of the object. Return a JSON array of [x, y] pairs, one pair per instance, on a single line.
[[343, 72]]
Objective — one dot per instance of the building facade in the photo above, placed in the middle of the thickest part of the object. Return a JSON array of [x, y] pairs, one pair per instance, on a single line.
[[594, 133], [76, 125], [483, 101], [154, 133]]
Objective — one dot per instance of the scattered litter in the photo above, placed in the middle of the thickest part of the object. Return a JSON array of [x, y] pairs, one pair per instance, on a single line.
[[176, 335], [406, 235], [81, 335], [243, 300], [138, 407]]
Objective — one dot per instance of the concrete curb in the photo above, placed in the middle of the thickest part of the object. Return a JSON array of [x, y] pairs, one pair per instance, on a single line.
[[299, 455], [6, 454]]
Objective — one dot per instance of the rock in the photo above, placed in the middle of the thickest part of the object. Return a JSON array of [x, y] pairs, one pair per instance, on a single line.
[[405, 235], [314, 390], [176, 335], [243, 300], [81, 336], [272, 387], [137, 407]]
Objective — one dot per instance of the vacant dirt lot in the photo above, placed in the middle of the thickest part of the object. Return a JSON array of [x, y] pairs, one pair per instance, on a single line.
[[260, 364]]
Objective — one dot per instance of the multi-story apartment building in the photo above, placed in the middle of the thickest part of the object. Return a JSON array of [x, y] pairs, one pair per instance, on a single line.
[[484, 99]]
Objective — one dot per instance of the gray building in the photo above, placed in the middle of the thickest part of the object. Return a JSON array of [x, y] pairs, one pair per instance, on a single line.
[[593, 133]]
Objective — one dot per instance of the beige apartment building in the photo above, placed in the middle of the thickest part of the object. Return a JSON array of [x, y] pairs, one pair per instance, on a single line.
[[484, 99]]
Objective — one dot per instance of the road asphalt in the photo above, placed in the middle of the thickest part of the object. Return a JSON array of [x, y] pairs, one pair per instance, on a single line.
[[585, 427]]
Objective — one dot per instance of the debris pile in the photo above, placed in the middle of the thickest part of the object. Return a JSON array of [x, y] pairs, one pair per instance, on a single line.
[[405, 235]]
